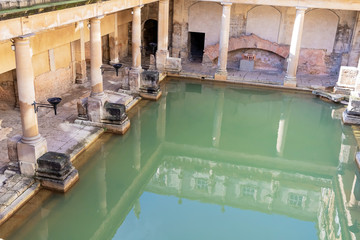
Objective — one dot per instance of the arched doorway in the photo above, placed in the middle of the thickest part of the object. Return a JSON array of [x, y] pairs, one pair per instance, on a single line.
[[150, 36]]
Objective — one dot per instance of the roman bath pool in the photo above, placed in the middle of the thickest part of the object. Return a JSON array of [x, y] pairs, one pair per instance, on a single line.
[[210, 162]]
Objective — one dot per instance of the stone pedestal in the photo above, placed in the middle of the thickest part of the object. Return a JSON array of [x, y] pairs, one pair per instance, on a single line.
[[220, 75], [173, 64], [290, 81], [347, 79], [161, 56], [106, 112], [352, 113], [134, 79], [95, 108], [28, 153], [56, 172]]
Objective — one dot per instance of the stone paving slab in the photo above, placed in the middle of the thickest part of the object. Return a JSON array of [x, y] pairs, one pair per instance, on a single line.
[[62, 136]]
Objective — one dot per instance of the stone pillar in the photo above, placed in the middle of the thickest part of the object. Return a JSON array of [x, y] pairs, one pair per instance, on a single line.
[[31, 145], [136, 38], [163, 35], [114, 42], [95, 58], [134, 74], [293, 59], [221, 73], [80, 63]]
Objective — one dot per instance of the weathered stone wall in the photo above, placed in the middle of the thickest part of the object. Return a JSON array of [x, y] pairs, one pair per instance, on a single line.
[[56, 76], [7, 90], [327, 38]]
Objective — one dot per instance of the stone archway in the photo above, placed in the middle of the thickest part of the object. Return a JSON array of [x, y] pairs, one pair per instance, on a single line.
[[150, 35]]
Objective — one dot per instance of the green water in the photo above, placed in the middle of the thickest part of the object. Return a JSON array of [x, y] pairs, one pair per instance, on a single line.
[[212, 162]]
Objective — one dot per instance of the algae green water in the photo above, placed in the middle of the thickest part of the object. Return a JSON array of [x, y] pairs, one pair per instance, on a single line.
[[214, 162]]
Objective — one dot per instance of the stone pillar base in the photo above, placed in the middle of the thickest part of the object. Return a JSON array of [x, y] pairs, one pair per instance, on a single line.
[[161, 56], [95, 108], [56, 172], [134, 80], [290, 81], [220, 75], [151, 96], [113, 128], [173, 64], [28, 153], [352, 113]]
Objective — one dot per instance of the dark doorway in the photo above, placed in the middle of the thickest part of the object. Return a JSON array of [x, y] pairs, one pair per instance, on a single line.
[[197, 41], [150, 36]]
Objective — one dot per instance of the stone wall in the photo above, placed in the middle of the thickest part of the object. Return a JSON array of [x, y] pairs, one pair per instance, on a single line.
[[328, 34], [7, 90]]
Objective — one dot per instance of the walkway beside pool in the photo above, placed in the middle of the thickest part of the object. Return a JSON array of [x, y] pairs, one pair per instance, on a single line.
[[64, 136]]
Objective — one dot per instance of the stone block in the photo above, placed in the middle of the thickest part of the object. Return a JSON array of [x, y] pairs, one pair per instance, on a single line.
[[82, 107], [31, 152], [27, 169], [94, 109], [173, 64], [53, 161], [246, 65], [12, 147], [161, 59], [220, 76], [61, 185], [347, 77], [134, 80], [149, 78], [150, 96]]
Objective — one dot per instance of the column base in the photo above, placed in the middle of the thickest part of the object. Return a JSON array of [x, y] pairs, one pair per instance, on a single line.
[[151, 96], [95, 108], [28, 155], [221, 75], [161, 56], [110, 127], [352, 113], [134, 79], [108, 113], [290, 81]]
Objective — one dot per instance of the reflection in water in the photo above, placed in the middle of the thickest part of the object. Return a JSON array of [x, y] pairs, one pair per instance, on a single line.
[[206, 162]]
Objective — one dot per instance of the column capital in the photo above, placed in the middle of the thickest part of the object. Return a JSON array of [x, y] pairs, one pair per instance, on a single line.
[[138, 7], [301, 9], [226, 3], [25, 37], [96, 19]]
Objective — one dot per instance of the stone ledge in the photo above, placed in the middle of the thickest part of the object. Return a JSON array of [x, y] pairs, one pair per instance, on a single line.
[[19, 202]]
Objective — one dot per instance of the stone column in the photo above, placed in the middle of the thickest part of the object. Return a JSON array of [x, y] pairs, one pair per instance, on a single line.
[[163, 35], [134, 74], [221, 73], [114, 43], [136, 38], [80, 64], [293, 59], [32, 145], [95, 58]]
